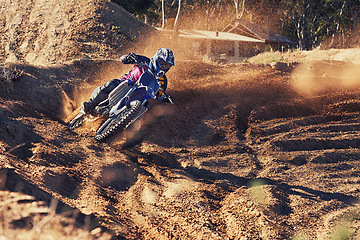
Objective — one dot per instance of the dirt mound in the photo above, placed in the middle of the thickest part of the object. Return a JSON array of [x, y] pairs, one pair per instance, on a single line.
[[43, 32]]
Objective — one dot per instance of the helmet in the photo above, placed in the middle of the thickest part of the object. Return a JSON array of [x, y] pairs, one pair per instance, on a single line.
[[162, 61]]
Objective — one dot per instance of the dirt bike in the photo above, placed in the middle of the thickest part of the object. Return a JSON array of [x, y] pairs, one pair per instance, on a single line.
[[124, 105]]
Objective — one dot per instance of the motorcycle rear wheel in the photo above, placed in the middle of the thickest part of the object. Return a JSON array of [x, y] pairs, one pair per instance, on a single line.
[[120, 122], [77, 121]]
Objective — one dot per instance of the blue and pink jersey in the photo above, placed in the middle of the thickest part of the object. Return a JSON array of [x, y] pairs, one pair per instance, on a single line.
[[134, 74]]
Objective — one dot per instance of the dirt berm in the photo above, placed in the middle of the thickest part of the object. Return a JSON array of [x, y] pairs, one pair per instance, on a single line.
[[248, 151]]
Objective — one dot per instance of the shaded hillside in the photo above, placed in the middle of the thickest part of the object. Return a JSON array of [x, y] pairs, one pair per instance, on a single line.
[[41, 32]]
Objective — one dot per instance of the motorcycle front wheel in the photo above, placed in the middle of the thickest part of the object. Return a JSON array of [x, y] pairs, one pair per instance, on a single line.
[[120, 122]]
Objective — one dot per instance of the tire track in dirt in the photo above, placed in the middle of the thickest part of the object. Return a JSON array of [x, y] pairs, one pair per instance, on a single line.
[[314, 143], [232, 158]]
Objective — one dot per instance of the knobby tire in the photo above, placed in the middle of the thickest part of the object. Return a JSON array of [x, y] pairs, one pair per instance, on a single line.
[[113, 125]]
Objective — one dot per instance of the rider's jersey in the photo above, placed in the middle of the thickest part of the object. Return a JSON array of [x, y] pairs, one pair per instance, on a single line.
[[140, 66]]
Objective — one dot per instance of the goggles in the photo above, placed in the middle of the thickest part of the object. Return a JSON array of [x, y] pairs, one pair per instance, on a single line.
[[164, 65]]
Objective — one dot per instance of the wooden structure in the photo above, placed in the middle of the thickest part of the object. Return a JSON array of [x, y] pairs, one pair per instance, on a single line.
[[216, 46], [253, 30]]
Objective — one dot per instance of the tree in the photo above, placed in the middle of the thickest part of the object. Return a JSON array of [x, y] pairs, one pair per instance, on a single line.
[[163, 13], [237, 14], [135, 6], [177, 15], [315, 21], [308, 22]]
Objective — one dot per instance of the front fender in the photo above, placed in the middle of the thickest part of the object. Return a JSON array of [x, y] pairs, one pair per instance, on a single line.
[[142, 92]]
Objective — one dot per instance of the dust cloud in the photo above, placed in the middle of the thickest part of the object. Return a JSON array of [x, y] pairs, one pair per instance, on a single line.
[[319, 76]]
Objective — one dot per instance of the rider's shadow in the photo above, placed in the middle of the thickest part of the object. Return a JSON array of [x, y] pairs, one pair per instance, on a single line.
[[118, 176]]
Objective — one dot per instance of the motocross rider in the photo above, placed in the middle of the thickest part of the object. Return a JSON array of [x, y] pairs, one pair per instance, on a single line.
[[158, 65]]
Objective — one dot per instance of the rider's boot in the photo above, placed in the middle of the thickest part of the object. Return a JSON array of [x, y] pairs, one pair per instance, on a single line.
[[78, 120], [88, 107]]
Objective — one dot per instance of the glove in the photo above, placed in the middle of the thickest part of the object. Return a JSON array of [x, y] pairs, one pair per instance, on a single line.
[[165, 99], [168, 99], [130, 58]]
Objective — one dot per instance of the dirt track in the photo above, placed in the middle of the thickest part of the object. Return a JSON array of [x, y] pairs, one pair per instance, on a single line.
[[246, 152], [241, 153]]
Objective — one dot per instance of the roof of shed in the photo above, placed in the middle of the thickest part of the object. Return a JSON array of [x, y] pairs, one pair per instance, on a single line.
[[254, 30], [212, 35]]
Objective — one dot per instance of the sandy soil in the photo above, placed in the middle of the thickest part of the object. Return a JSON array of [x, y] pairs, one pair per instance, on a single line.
[[248, 151]]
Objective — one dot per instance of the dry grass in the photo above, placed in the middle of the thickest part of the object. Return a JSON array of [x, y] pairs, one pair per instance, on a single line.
[[22, 216], [9, 75]]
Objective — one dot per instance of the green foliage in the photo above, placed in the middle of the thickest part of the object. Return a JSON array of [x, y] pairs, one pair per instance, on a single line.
[[313, 21], [135, 6], [308, 22]]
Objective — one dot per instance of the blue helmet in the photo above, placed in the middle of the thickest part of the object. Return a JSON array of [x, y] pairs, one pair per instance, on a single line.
[[162, 61]]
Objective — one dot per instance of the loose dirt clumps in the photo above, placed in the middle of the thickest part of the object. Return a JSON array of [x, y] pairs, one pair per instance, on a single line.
[[244, 153], [42, 32]]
